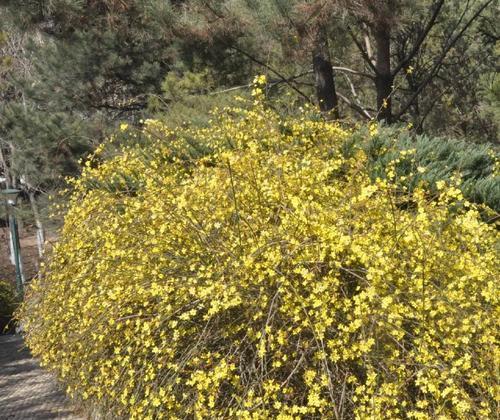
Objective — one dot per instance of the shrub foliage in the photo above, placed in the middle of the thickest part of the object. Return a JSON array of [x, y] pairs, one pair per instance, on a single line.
[[8, 304], [270, 278]]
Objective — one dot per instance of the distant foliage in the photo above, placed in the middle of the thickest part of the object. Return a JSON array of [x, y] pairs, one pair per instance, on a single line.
[[272, 277]]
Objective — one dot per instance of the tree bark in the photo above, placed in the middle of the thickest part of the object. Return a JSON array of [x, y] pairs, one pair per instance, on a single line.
[[8, 184], [40, 233], [383, 78], [323, 73], [5, 168]]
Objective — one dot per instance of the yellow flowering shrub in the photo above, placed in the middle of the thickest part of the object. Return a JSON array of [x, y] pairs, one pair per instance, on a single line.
[[268, 279]]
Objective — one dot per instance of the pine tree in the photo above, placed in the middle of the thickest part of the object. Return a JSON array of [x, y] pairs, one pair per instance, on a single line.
[[392, 60], [71, 70]]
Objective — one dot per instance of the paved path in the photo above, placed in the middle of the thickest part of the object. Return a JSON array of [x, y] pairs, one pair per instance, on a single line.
[[26, 391]]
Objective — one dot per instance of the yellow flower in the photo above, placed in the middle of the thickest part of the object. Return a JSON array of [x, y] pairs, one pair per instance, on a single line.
[[271, 278]]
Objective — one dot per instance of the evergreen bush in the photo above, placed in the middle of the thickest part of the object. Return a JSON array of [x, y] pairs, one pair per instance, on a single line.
[[8, 304], [477, 166]]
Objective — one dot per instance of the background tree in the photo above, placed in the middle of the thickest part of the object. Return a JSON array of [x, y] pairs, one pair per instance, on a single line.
[[72, 70], [387, 53]]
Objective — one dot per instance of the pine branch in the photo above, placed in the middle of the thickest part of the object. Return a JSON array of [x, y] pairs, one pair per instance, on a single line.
[[439, 61], [421, 38], [271, 69]]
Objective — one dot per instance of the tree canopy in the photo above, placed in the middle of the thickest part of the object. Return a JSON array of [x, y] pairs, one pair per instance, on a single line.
[[72, 71]]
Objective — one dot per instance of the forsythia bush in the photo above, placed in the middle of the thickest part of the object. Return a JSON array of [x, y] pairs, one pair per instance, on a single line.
[[269, 279]]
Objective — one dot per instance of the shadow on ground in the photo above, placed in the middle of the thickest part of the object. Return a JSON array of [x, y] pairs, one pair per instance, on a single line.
[[27, 391]]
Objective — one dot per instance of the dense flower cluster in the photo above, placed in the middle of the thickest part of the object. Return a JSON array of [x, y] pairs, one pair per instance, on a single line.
[[270, 278]]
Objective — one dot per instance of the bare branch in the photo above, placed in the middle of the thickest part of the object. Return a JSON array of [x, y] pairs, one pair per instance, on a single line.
[[271, 69], [351, 85], [355, 104], [357, 73], [368, 44], [364, 54], [271, 83], [217, 92], [439, 61], [437, 8], [360, 110]]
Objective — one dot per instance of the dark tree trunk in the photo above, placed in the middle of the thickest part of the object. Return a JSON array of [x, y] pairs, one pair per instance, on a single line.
[[323, 73], [383, 78]]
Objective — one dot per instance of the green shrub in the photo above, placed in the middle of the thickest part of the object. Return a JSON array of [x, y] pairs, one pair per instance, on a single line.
[[8, 304]]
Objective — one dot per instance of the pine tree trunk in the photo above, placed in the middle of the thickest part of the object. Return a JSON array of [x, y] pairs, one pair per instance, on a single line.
[[383, 78], [40, 233], [8, 184], [5, 168], [323, 73]]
